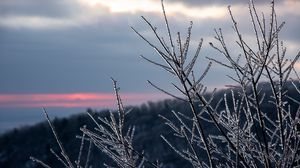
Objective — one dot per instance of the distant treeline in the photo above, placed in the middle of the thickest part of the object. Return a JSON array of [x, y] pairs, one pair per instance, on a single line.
[[18, 145]]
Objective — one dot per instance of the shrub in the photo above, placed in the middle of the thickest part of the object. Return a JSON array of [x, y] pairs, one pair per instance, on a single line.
[[247, 135]]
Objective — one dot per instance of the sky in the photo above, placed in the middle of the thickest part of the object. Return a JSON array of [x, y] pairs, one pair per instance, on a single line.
[[61, 54]]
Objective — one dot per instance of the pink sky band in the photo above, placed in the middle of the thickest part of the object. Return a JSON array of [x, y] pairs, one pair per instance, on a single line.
[[70, 100]]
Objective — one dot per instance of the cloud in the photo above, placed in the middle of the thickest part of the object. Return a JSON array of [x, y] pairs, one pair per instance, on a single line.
[[151, 6], [43, 14], [35, 22], [80, 51], [42, 8], [224, 2], [56, 14]]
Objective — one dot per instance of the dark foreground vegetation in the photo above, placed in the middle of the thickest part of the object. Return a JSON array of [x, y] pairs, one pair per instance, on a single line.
[[18, 145]]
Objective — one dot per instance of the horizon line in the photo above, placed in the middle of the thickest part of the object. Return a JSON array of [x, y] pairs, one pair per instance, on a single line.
[[75, 99]]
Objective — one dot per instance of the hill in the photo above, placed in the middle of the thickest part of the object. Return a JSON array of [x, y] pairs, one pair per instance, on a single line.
[[18, 145]]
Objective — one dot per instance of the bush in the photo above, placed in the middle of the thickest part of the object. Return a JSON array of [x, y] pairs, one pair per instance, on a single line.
[[246, 135]]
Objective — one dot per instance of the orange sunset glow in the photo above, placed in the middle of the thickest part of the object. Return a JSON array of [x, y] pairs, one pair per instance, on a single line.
[[68, 100]]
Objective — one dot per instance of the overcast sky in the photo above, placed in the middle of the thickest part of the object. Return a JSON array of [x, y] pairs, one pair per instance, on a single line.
[[64, 51]]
